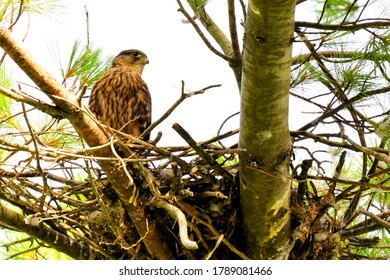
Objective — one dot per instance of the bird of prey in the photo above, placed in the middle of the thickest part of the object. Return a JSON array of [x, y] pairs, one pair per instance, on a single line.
[[120, 98]]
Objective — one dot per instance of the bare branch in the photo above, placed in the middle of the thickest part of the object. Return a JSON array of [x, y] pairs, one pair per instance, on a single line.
[[374, 217], [202, 35], [182, 97], [179, 216], [21, 97], [236, 61], [347, 26], [220, 171], [87, 23], [341, 56]]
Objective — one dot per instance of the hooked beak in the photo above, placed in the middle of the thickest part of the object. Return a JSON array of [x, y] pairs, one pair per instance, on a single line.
[[145, 60]]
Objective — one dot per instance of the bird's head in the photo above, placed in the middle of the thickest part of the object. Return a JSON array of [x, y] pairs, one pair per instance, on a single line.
[[133, 58]]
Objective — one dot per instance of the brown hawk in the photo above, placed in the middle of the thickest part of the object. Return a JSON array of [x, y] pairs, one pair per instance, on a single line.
[[120, 98]]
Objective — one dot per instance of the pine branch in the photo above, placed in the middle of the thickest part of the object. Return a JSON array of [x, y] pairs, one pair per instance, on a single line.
[[21, 97], [54, 239]]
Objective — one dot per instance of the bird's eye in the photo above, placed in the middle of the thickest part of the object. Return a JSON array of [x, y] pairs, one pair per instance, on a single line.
[[135, 54]]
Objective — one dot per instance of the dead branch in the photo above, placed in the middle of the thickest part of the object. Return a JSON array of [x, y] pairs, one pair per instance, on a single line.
[[182, 97], [19, 96], [347, 26], [374, 217], [186, 136], [178, 215], [212, 29], [236, 61]]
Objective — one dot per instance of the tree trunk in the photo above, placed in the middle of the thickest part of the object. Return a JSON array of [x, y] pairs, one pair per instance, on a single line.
[[264, 133]]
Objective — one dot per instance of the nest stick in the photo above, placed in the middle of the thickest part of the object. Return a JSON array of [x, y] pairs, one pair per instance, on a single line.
[[179, 216]]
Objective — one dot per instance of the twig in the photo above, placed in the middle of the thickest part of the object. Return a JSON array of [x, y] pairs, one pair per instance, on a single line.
[[203, 36], [23, 252], [224, 240], [243, 8], [21, 97], [355, 99], [223, 123], [347, 26], [135, 193], [81, 94], [90, 243], [202, 153], [220, 137], [139, 240], [305, 134], [337, 173], [105, 210], [380, 156], [236, 62], [342, 181], [37, 159], [167, 154], [341, 56], [216, 194], [332, 84], [365, 226], [176, 184], [20, 12], [182, 97], [374, 217], [220, 238], [7, 245], [87, 23], [61, 242]]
